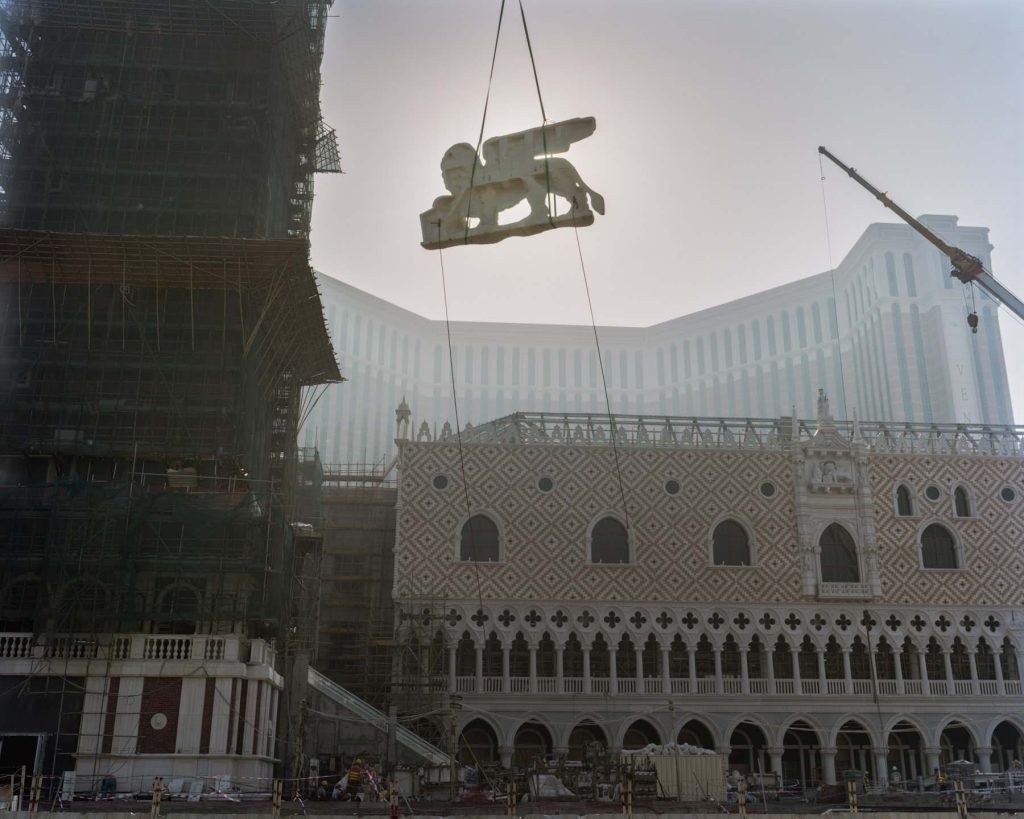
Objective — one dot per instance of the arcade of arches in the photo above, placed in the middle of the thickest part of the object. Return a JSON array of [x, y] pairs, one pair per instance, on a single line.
[[806, 753]]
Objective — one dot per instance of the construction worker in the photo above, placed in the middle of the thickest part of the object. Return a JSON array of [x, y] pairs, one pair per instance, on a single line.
[[354, 779]]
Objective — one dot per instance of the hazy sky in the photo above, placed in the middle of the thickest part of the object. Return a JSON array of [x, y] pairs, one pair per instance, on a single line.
[[709, 114]]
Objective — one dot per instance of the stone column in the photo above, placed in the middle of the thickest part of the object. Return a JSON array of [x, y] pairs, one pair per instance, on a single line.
[[997, 656], [533, 669], [425, 668], [613, 671], [897, 668], [881, 766], [479, 668], [639, 670], [770, 668], [506, 675], [828, 765], [926, 688], [948, 663], [666, 675], [718, 670], [822, 676], [975, 687], [847, 671], [587, 686], [505, 755], [452, 667], [984, 758], [744, 673], [775, 760], [931, 761], [795, 652], [560, 669], [691, 655]]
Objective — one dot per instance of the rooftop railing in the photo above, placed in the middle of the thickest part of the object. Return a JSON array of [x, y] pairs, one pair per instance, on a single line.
[[654, 431]]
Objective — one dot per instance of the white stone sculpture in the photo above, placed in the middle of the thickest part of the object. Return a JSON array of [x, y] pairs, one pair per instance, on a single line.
[[514, 167]]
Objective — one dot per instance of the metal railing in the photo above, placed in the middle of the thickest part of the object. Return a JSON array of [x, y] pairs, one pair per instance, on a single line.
[[582, 429], [378, 719]]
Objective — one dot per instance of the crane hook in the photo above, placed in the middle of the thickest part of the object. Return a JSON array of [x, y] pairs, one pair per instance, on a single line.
[[972, 322]]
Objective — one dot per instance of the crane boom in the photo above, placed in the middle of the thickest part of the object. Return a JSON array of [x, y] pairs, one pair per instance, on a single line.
[[966, 268]]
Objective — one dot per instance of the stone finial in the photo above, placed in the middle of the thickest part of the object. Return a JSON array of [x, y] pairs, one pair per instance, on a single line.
[[825, 418], [514, 167], [403, 416]]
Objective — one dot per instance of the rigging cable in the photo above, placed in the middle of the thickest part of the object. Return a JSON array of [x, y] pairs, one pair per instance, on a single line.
[[458, 439], [604, 380], [480, 138]]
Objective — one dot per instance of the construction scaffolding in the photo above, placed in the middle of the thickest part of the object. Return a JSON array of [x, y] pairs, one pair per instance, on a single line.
[[357, 617], [149, 478], [179, 117]]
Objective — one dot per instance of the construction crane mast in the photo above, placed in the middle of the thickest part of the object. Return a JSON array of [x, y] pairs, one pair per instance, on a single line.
[[966, 268]]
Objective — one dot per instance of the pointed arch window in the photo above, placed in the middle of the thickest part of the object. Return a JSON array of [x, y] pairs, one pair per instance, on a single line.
[[938, 549], [609, 541], [904, 505], [961, 503], [730, 544], [479, 541], [838, 556]]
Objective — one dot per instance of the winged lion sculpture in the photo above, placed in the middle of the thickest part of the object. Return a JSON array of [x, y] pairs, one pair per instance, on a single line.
[[513, 167]]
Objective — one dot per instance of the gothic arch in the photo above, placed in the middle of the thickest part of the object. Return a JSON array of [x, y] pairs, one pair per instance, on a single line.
[[630, 539]]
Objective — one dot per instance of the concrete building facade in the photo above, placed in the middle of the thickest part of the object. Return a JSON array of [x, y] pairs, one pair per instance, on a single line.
[[885, 334]]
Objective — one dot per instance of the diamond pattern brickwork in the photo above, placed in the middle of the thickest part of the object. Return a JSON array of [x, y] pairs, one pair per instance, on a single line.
[[545, 534], [992, 539]]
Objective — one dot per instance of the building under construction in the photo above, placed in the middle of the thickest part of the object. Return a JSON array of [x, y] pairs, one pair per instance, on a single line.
[[159, 326]]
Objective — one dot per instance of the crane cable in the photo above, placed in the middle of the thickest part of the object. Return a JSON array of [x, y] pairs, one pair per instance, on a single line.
[[549, 197], [552, 205], [835, 297]]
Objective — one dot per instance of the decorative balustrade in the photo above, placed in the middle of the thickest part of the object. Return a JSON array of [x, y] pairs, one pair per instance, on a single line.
[[15, 645], [887, 688], [229, 647], [580, 429]]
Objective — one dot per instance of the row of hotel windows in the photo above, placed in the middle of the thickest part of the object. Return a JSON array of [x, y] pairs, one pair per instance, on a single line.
[[549, 366], [731, 545]]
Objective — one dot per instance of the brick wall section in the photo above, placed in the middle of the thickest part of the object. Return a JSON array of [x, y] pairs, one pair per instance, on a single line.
[[111, 714], [208, 697], [160, 695]]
